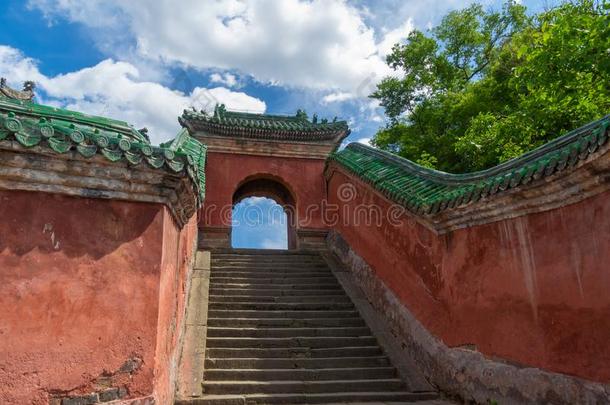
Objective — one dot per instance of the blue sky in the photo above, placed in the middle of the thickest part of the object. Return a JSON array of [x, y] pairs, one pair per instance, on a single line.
[[145, 61]]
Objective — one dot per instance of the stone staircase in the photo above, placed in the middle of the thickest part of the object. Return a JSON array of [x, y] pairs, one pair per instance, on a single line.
[[281, 329]]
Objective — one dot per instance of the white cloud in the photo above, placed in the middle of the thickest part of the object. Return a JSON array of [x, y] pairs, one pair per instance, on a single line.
[[364, 141], [395, 36], [112, 89], [318, 44], [274, 244], [337, 97], [227, 79]]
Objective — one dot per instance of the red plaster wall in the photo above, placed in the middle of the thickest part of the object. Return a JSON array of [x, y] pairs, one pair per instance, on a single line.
[[534, 290], [225, 172], [85, 285]]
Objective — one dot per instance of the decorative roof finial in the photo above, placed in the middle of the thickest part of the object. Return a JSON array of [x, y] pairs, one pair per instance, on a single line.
[[219, 110], [144, 133], [27, 94], [301, 114], [29, 85]]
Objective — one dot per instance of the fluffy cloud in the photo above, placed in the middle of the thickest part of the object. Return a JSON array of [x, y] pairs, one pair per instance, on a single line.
[[318, 44], [112, 89], [364, 141], [337, 97], [227, 79], [394, 36]]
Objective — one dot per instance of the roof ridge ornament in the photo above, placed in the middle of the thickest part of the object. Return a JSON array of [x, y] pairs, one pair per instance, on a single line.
[[27, 94], [301, 114], [219, 111]]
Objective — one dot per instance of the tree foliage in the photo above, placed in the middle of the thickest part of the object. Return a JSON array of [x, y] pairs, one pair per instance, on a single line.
[[486, 86]]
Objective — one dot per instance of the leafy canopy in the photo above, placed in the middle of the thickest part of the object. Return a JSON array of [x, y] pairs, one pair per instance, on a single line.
[[486, 86]]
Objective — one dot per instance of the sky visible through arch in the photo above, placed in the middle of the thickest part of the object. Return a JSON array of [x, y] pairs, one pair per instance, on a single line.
[[145, 61], [259, 222]]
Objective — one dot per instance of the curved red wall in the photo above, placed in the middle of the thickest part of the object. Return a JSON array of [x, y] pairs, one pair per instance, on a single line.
[[534, 289]]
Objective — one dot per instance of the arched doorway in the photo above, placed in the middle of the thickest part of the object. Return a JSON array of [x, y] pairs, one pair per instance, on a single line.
[[252, 206]]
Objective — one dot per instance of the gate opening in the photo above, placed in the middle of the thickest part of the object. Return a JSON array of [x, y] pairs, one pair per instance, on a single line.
[[263, 215], [259, 223]]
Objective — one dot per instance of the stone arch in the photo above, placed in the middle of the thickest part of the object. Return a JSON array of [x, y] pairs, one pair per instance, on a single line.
[[275, 188]]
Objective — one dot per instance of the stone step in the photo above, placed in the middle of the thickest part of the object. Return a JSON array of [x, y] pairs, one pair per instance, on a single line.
[[285, 322], [334, 398], [257, 314], [296, 281], [256, 292], [276, 387], [286, 299], [291, 342], [270, 266], [285, 287], [294, 256], [295, 363], [279, 306], [287, 332], [268, 263], [241, 273], [294, 352], [323, 374], [264, 253]]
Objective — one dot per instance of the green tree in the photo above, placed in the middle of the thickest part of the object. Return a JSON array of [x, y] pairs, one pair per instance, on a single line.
[[486, 86]]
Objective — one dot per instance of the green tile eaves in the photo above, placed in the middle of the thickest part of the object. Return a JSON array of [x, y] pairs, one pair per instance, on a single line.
[[34, 110], [61, 131], [428, 192]]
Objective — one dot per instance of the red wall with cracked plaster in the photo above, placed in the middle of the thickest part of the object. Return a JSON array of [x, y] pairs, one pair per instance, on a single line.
[[533, 289], [81, 284]]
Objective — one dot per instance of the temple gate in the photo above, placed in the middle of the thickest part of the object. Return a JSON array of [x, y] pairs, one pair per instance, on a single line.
[[280, 157]]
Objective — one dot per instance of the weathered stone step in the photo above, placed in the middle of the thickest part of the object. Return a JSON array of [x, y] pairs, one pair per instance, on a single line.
[[256, 314], [269, 263], [361, 373], [276, 280], [262, 292], [289, 298], [288, 332], [294, 352], [285, 287], [245, 387], [265, 253], [285, 322], [274, 264], [269, 274], [334, 398], [294, 363], [291, 342], [293, 256], [280, 306]]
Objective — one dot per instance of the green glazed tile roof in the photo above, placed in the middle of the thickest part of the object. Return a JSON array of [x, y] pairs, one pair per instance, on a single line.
[[61, 131], [264, 126], [427, 192], [195, 153]]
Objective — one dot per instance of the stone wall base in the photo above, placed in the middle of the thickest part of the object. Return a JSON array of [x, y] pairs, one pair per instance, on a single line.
[[460, 372], [311, 239], [192, 360], [214, 237]]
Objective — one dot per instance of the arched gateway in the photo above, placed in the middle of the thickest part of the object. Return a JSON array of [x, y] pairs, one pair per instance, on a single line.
[[282, 157]]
